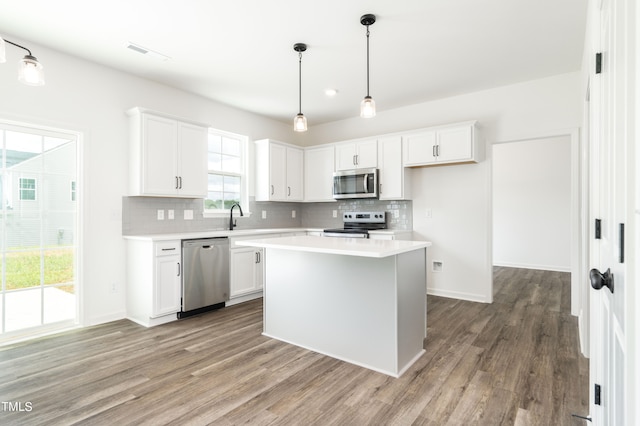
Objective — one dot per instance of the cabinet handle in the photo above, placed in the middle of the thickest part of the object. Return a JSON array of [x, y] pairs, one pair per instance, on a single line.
[[288, 191], [179, 269], [433, 151], [438, 150], [180, 180], [258, 257], [168, 249], [353, 160], [271, 189], [380, 189], [357, 159], [176, 182]]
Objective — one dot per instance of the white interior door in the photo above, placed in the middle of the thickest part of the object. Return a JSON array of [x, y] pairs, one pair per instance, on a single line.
[[611, 135]]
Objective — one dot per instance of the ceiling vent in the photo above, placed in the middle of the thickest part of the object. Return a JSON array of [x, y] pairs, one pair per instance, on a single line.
[[146, 52]]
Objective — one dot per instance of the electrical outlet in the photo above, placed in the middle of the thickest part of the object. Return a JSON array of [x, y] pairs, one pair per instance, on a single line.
[[264, 214], [170, 214], [396, 213], [114, 287], [428, 213], [437, 266], [160, 214], [188, 215], [293, 214], [335, 213]]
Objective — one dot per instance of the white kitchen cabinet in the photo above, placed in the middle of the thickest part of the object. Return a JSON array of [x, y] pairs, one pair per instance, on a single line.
[[357, 155], [318, 173], [279, 171], [246, 271], [168, 157], [456, 143], [393, 177], [154, 281]]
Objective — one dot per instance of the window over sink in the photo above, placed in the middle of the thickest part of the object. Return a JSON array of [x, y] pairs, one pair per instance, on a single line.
[[227, 172]]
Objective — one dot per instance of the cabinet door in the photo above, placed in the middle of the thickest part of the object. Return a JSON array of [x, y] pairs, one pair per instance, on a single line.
[[159, 148], [419, 148], [367, 154], [192, 160], [318, 174], [243, 263], [455, 144], [295, 174], [167, 285], [346, 156], [277, 172], [391, 173]]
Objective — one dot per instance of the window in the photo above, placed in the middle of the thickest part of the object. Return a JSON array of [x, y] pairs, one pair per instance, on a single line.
[[27, 189], [227, 178]]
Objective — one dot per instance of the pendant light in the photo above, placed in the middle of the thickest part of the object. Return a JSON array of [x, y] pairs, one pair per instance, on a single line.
[[300, 121], [368, 105], [31, 72]]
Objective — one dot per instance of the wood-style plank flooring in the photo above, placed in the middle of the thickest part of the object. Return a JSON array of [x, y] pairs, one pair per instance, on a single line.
[[513, 362]]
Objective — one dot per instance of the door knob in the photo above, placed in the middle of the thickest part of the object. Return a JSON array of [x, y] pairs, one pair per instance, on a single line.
[[599, 280]]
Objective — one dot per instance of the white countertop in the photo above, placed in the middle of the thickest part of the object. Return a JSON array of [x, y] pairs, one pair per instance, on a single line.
[[236, 233], [216, 233], [343, 246]]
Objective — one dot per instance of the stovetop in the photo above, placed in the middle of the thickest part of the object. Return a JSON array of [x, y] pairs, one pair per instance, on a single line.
[[360, 223]]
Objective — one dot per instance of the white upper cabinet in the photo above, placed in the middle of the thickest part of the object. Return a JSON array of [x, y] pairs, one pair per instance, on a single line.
[[279, 171], [357, 155], [318, 173], [456, 143], [168, 157], [393, 176]]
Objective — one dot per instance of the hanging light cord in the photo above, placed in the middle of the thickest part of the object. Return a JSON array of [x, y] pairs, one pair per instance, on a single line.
[[17, 45], [367, 60], [300, 81]]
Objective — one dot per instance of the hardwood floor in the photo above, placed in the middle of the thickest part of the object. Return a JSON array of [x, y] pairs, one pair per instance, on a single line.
[[515, 361]]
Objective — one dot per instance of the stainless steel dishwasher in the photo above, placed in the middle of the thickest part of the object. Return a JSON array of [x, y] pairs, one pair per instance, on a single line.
[[205, 276]]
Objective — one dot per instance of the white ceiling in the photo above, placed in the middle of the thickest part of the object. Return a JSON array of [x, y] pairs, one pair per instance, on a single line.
[[240, 52]]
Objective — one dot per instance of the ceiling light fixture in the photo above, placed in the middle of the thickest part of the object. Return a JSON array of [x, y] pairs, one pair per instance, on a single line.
[[368, 105], [300, 121], [31, 72]]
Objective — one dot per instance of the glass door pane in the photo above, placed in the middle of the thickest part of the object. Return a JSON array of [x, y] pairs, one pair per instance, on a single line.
[[38, 228]]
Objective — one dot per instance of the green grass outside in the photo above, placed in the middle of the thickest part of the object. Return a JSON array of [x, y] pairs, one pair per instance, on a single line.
[[22, 269]]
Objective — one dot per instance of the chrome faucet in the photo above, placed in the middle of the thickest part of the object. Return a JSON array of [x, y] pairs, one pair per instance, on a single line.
[[231, 224]]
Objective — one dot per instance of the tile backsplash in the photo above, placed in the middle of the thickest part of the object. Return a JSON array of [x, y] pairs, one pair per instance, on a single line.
[[140, 215]]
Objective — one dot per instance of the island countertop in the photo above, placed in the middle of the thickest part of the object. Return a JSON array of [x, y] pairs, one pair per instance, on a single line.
[[344, 246]]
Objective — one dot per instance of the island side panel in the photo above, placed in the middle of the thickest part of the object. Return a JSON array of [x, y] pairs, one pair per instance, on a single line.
[[412, 306], [341, 306]]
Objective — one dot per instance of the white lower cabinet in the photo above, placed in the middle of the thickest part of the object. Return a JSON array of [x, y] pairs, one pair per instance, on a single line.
[[247, 271], [154, 280]]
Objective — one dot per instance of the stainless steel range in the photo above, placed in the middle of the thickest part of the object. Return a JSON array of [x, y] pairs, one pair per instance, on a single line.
[[358, 225]]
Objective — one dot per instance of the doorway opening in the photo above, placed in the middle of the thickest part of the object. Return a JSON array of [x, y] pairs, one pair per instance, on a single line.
[[38, 230]]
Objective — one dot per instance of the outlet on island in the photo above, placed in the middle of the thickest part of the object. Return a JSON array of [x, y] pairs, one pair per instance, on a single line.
[[264, 214]]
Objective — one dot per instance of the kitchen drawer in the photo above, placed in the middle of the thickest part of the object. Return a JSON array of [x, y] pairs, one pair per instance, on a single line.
[[166, 248]]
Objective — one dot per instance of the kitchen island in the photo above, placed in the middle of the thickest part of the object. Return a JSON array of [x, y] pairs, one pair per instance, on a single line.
[[359, 300]]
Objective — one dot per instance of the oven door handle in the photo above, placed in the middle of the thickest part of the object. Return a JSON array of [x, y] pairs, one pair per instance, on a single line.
[[344, 235]]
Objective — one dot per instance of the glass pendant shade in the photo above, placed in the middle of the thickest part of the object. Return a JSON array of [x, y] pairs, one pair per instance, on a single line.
[[3, 51], [300, 123], [31, 72], [368, 107]]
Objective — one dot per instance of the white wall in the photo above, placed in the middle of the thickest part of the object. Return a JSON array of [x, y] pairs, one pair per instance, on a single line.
[[460, 196], [532, 204], [82, 96]]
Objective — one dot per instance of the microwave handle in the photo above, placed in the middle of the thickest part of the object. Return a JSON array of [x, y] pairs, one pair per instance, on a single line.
[[366, 183]]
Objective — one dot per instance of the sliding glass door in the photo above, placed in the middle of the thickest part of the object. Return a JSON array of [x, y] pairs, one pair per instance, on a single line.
[[38, 230]]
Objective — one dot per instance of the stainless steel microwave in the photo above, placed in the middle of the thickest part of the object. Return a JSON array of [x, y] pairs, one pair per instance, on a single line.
[[358, 183]]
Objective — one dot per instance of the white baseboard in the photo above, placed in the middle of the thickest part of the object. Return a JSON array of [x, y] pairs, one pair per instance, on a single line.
[[471, 297], [554, 268]]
